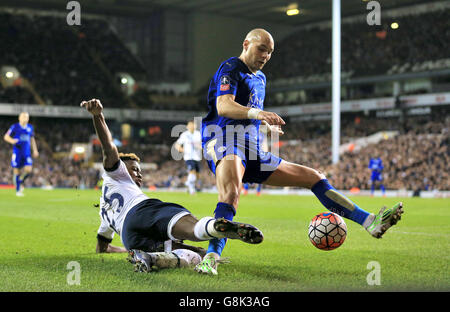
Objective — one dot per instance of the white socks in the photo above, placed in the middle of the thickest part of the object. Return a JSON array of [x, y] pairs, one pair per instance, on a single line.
[[368, 221], [191, 182], [187, 257], [179, 258], [204, 229]]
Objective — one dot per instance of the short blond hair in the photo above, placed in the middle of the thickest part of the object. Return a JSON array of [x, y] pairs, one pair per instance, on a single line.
[[129, 156]]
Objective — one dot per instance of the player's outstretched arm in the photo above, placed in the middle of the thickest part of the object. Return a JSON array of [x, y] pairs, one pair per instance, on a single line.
[[110, 153], [227, 107], [104, 247], [35, 149]]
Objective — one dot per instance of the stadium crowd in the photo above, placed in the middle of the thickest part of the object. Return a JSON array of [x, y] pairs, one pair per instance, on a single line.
[[68, 64], [15, 94], [75, 62], [61, 61], [416, 158], [366, 50]]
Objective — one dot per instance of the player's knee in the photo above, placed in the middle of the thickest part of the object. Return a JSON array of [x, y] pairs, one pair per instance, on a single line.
[[320, 175], [314, 177], [184, 228]]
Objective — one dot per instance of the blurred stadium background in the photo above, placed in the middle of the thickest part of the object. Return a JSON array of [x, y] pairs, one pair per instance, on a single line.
[[150, 63]]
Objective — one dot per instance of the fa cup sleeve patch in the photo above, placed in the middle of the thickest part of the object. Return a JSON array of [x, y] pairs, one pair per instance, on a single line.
[[224, 83]]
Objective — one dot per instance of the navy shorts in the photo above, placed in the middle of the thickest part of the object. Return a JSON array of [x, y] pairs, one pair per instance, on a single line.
[[148, 224], [193, 165], [258, 165]]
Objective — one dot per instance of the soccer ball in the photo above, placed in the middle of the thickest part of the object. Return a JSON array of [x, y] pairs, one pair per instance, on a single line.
[[327, 231]]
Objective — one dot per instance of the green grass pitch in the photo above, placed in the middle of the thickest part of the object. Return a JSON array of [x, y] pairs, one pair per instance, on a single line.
[[44, 231]]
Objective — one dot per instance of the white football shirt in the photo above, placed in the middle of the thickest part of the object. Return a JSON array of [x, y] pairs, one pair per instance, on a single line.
[[119, 194], [192, 145]]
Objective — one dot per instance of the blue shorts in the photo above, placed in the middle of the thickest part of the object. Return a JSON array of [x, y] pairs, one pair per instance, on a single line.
[[258, 165], [148, 224], [20, 160], [193, 165], [376, 176]]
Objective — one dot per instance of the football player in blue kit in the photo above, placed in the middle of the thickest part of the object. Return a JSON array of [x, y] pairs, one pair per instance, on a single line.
[[232, 149], [376, 166], [21, 136]]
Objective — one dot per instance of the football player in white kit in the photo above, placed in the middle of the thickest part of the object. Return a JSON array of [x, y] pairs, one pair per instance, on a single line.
[[190, 144], [145, 224]]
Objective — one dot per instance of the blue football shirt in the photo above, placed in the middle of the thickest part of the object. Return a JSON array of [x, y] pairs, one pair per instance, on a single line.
[[24, 135], [376, 165], [234, 77]]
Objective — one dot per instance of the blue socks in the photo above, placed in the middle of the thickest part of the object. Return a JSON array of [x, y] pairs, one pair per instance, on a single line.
[[372, 188], [258, 189], [19, 179], [17, 182], [338, 203], [223, 210]]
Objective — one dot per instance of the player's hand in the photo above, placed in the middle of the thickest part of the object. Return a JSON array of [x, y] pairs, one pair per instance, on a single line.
[[115, 249], [179, 148], [35, 154], [271, 118], [266, 128], [93, 106]]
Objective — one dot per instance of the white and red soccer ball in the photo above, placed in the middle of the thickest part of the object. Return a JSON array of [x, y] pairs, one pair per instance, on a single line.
[[327, 231]]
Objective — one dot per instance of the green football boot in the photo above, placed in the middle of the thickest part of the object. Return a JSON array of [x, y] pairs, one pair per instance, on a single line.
[[209, 265], [384, 220]]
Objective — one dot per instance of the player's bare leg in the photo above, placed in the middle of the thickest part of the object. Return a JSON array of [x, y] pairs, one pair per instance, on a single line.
[[184, 228], [229, 173], [290, 174]]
